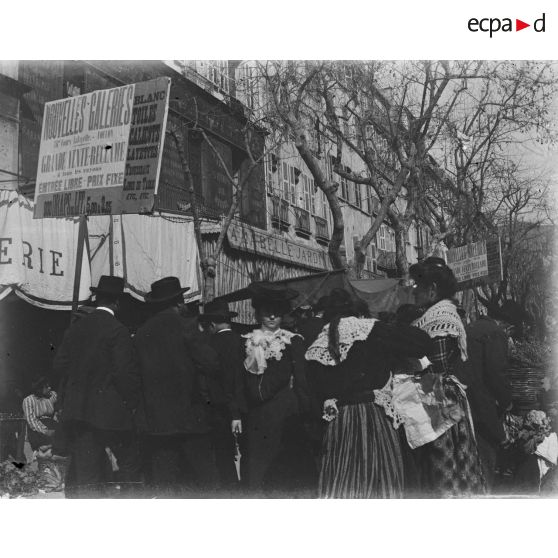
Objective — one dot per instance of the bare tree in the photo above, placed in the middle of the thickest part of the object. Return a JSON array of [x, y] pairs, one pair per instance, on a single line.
[[291, 105], [255, 150], [517, 209], [504, 105], [388, 115], [430, 137]]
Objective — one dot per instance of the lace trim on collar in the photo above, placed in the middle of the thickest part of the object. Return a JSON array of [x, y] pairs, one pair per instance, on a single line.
[[442, 320], [264, 345], [350, 330]]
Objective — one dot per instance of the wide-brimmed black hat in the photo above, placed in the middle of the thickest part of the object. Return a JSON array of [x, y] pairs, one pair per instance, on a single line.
[[165, 289], [216, 310], [110, 285], [271, 292]]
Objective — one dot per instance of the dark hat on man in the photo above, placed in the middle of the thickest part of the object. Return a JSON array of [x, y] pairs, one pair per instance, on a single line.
[[165, 289], [216, 310], [109, 285]]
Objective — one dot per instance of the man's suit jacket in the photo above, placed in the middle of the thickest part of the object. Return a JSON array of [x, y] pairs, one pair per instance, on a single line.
[[99, 380], [175, 364], [227, 389]]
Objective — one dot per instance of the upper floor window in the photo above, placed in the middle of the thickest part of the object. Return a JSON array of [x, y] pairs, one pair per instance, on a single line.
[[358, 195], [381, 238], [308, 201], [246, 84], [288, 182], [271, 173], [217, 72], [323, 205], [344, 191]]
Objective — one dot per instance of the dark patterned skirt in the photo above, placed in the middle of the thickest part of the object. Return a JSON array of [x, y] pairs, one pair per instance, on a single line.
[[450, 466], [361, 455]]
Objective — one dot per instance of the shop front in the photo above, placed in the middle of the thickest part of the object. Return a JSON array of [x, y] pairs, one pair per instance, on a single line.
[[251, 254]]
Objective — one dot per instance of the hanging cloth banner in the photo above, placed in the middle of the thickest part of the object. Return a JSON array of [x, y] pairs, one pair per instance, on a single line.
[[38, 257], [152, 247]]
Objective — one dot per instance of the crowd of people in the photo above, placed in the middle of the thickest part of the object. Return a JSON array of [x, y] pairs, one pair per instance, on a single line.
[[336, 404]]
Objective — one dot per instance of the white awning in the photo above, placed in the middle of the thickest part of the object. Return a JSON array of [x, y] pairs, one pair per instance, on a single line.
[[38, 256]]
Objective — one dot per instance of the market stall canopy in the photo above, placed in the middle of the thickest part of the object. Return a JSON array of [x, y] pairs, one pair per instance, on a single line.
[[383, 295], [38, 256], [310, 287], [380, 294]]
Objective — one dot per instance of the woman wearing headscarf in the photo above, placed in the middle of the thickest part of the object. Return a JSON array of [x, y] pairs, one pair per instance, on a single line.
[[450, 463], [278, 456], [352, 357]]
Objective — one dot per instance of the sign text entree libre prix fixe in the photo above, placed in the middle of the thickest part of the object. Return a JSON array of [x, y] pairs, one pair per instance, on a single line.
[[100, 152]]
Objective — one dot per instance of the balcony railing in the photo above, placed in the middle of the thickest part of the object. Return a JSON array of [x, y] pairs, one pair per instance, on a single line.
[[175, 199], [302, 222], [172, 198], [322, 232], [279, 213]]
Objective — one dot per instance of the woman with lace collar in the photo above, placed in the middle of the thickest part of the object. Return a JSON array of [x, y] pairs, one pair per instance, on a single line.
[[352, 357], [450, 463], [277, 396]]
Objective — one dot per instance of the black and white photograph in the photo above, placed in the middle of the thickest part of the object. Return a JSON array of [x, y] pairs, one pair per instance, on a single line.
[[266, 282], [293, 279]]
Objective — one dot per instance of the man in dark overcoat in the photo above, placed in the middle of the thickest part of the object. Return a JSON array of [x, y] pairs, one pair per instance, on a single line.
[[226, 388], [99, 393], [488, 388], [175, 366]]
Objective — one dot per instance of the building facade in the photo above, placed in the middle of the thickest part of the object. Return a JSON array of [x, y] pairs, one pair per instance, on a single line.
[[283, 223]]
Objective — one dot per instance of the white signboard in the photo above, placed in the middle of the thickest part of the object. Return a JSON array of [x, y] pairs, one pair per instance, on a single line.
[[101, 152], [469, 261], [82, 158]]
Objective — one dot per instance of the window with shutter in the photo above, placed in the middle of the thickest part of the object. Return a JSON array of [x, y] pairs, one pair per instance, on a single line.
[[358, 195]]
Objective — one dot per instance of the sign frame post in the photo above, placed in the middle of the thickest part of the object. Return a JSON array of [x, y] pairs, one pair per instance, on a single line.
[[81, 245]]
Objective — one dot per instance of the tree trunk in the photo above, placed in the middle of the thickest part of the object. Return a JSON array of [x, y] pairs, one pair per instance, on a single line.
[[401, 262], [338, 231], [207, 265], [209, 273], [328, 187]]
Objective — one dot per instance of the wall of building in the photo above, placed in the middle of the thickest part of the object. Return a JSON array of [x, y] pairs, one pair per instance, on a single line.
[[9, 130]]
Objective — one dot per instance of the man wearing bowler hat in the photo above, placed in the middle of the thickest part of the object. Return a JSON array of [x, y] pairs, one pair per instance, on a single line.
[[99, 393], [176, 367], [225, 389]]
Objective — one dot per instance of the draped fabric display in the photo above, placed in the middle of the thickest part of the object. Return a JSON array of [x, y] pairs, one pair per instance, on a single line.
[[150, 247], [38, 256]]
